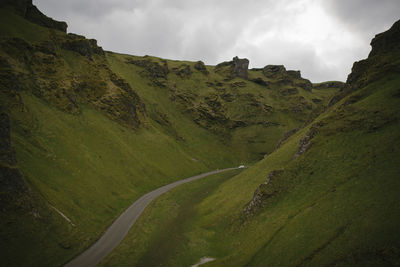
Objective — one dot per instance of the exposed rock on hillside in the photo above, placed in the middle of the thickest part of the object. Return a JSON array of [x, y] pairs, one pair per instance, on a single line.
[[294, 73], [281, 76], [286, 136], [386, 42], [263, 192], [273, 70], [229, 107], [155, 71], [183, 71], [260, 81], [50, 78], [240, 67], [81, 45], [235, 68], [382, 60], [306, 142], [33, 14], [201, 67]]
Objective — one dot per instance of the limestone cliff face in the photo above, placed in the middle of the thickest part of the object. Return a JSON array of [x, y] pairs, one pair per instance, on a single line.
[[382, 64], [387, 41], [33, 14], [382, 60], [238, 67], [85, 47], [42, 69]]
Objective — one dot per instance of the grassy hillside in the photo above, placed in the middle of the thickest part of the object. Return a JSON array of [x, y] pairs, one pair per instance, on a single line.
[[83, 144], [249, 116], [327, 196], [85, 132]]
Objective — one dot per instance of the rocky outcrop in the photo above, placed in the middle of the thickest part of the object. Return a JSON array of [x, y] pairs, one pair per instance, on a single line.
[[306, 142], [240, 67], [381, 62], [370, 69], [386, 42], [263, 192], [199, 65], [260, 81], [81, 45], [286, 136], [30, 12], [305, 85], [273, 70], [184, 71], [235, 68], [155, 71], [52, 80], [126, 106], [284, 77], [294, 73]]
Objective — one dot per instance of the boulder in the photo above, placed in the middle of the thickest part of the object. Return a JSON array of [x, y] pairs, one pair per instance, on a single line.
[[235, 68], [199, 65], [240, 67]]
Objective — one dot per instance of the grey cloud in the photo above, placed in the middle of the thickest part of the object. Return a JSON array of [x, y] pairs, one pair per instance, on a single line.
[[90, 8], [365, 16], [215, 31]]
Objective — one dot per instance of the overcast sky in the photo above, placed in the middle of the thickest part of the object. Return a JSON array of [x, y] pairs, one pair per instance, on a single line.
[[322, 38]]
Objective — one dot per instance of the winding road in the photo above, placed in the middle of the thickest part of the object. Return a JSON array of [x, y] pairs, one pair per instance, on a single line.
[[120, 227]]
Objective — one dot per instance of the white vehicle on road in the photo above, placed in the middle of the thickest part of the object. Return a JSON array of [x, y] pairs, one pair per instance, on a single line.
[[241, 167]]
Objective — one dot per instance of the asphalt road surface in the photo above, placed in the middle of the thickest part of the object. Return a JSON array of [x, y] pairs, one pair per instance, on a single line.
[[120, 227]]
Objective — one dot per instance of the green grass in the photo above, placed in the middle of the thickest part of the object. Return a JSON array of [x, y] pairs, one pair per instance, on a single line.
[[167, 232], [337, 204], [250, 142], [84, 164], [13, 25], [91, 169]]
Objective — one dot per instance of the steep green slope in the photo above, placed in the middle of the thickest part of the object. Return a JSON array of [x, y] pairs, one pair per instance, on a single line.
[[249, 115], [327, 196], [82, 142], [86, 132]]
